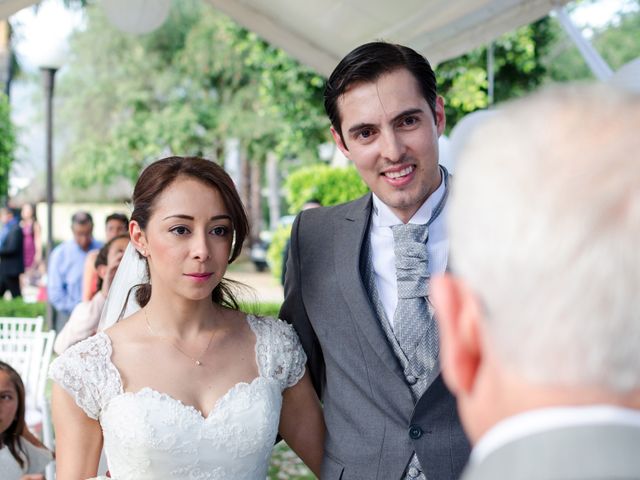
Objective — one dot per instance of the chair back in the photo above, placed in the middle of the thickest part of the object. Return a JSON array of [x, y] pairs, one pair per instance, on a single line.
[[11, 327], [30, 355]]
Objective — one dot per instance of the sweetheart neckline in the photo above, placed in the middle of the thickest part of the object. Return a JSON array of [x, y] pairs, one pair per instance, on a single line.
[[216, 406], [248, 318]]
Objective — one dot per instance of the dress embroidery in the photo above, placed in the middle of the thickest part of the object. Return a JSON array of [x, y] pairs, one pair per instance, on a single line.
[[150, 435]]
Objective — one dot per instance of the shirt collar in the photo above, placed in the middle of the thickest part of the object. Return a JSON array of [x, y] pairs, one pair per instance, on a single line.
[[384, 217], [536, 421]]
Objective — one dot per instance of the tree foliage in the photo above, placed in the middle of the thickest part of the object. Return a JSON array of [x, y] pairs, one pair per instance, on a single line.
[[7, 145], [328, 185], [183, 89], [517, 70]]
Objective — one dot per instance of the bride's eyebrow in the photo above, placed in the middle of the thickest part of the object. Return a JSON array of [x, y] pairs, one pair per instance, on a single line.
[[189, 217]]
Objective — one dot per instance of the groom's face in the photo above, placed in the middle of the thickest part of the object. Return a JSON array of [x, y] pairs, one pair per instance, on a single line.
[[390, 134]]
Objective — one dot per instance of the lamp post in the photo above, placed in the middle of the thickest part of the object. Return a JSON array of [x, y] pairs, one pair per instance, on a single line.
[[48, 78], [51, 59]]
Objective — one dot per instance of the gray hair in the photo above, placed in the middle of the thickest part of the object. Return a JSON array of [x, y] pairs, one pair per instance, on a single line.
[[545, 228]]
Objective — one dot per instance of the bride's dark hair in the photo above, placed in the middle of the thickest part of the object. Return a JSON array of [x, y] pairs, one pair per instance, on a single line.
[[159, 176]]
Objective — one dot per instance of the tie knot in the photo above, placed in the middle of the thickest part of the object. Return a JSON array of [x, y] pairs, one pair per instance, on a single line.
[[410, 251], [410, 232]]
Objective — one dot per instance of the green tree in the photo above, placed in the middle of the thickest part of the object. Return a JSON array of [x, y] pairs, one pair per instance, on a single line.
[[7, 145], [184, 89], [517, 70]]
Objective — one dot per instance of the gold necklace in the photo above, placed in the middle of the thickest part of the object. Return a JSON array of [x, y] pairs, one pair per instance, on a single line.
[[197, 360]]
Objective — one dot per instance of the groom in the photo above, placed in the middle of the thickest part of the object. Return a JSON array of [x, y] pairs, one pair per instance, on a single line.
[[357, 277]]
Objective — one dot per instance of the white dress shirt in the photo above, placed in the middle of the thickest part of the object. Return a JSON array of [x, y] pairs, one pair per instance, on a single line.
[[537, 421], [382, 253]]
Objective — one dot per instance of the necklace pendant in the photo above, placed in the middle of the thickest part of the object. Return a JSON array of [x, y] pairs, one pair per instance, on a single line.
[[198, 363]]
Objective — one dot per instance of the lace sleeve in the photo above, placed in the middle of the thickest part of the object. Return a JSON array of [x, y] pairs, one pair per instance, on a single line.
[[279, 352], [86, 372]]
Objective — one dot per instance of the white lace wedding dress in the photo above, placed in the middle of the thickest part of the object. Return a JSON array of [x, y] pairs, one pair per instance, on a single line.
[[150, 435]]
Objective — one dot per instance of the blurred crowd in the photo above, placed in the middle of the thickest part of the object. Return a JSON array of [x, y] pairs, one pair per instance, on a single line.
[[76, 270]]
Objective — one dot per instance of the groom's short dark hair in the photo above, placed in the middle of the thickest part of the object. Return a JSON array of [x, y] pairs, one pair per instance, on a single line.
[[367, 63]]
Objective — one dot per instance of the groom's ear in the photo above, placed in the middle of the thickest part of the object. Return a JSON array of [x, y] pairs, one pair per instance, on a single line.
[[459, 315], [137, 236]]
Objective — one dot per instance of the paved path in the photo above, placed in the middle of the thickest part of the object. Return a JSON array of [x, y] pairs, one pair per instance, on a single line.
[[263, 287]]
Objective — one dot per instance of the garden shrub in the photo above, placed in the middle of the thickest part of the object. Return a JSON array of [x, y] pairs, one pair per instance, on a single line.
[[329, 185]]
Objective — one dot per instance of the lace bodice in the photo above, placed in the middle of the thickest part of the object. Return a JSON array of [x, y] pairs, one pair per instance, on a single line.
[[151, 435]]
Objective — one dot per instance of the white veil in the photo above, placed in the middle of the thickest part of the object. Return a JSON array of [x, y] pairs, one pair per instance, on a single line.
[[132, 271]]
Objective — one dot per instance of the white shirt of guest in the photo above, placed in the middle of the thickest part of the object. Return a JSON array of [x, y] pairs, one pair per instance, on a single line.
[[382, 253]]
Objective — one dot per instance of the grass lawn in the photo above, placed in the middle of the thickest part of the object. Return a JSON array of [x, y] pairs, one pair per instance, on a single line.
[[286, 465]]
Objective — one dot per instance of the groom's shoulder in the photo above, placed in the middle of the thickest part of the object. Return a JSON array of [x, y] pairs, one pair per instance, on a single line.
[[340, 211]]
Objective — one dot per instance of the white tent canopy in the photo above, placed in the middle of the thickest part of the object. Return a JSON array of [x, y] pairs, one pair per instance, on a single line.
[[320, 32]]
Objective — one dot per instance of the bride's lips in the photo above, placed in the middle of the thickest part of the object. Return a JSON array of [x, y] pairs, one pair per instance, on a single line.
[[199, 277]]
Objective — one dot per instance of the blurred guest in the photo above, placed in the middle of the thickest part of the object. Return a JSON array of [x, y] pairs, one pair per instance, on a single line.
[[31, 243], [11, 261], [115, 224], [85, 317], [540, 315], [22, 457], [66, 267]]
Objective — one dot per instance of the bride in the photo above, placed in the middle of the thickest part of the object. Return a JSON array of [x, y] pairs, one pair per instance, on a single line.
[[187, 387]]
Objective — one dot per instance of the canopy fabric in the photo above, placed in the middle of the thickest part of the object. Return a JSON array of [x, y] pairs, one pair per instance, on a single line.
[[9, 7], [320, 32]]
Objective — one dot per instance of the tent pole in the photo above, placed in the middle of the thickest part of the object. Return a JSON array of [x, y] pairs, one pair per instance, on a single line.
[[490, 74], [596, 63]]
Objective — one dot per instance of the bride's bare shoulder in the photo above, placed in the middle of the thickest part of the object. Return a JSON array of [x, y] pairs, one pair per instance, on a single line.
[[128, 328]]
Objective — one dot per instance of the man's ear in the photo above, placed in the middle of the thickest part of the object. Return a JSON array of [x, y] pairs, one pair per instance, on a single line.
[[340, 143], [458, 314]]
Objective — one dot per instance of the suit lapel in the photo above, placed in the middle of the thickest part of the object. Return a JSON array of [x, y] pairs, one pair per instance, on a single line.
[[350, 233]]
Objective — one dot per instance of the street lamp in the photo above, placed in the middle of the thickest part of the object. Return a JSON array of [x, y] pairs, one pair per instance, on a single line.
[[51, 58]]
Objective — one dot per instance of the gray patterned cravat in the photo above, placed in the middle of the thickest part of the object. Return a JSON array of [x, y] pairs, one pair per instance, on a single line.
[[412, 319]]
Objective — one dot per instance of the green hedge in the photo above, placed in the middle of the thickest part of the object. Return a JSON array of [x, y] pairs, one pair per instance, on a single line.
[[329, 185], [264, 309], [19, 308], [276, 250]]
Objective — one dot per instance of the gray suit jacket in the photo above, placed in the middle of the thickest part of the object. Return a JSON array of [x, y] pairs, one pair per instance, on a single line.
[[590, 452], [373, 425]]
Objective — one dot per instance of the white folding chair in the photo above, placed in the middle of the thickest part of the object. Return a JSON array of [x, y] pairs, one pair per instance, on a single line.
[[11, 327]]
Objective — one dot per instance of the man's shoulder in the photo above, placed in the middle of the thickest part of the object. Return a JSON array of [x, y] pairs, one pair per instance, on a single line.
[[16, 229], [62, 249]]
